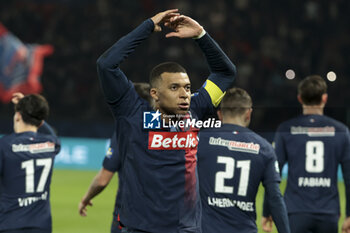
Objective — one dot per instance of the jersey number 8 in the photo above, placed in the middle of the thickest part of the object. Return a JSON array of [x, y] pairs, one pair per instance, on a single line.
[[314, 156]]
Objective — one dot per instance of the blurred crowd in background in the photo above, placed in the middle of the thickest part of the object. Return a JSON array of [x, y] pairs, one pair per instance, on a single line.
[[263, 39]]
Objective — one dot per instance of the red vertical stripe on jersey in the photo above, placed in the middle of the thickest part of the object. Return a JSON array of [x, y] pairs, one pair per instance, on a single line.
[[190, 176]]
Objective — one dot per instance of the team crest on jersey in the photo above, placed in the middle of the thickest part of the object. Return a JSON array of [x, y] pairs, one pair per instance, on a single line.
[[172, 140], [247, 147], [151, 120], [277, 168], [109, 152]]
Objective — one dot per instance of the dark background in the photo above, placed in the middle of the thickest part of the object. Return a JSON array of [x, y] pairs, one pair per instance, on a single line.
[[263, 38]]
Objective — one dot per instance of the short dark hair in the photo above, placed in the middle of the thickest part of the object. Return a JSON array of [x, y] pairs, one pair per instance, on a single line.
[[311, 89], [235, 102], [33, 109], [143, 90], [170, 67]]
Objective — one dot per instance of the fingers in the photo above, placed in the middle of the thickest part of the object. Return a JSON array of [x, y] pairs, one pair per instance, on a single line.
[[173, 34], [16, 97], [18, 94], [82, 209], [177, 18], [171, 11], [267, 224]]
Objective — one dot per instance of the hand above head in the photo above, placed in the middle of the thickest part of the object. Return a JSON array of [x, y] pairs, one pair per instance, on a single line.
[[183, 26], [16, 97], [163, 17]]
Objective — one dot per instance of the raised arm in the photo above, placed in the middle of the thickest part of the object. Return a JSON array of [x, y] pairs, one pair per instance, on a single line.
[[113, 81], [222, 70]]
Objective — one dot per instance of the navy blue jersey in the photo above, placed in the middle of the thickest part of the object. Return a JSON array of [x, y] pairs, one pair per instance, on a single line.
[[26, 161], [160, 188], [232, 161], [313, 146], [112, 163]]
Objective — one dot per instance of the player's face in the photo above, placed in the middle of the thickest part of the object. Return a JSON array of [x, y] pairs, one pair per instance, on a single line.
[[174, 93]]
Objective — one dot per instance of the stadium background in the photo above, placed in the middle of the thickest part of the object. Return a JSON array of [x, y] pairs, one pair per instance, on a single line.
[[263, 38]]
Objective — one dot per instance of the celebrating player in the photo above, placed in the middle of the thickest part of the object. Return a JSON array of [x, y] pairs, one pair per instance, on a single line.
[[111, 164], [160, 190], [26, 160], [314, 145], [232, 161]]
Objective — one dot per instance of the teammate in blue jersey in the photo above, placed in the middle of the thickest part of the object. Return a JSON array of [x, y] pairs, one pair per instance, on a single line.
[[314, 145], [26, 161], [111, 164], [232, 161], [160, 189]]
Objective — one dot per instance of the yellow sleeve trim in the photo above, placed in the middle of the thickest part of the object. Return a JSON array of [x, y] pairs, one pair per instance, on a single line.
[[214, 92]]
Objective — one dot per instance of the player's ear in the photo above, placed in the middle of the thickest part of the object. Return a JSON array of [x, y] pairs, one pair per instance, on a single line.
[[248, 114], [154, 94], [17, 117], [299, 99], [41, 124], [324, 98], [219, 114]]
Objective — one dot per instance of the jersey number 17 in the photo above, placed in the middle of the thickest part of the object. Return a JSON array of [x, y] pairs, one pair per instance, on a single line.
[[28, 166]]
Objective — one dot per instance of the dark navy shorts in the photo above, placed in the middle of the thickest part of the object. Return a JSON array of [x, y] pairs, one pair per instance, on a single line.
[[27, 230], [313, 223], [115, 228]]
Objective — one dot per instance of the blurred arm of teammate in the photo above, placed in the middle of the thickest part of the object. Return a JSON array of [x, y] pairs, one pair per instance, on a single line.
[[100, 181], [222, 70], [113, 81], [279, 147], [346, 176], [278, 210]]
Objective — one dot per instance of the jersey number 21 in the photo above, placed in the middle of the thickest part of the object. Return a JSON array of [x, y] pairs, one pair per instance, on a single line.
[[230, 164]]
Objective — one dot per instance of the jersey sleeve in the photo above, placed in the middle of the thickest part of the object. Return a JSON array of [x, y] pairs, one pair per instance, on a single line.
[[345, 165], [45, 128], [1, 157], [221, 77], [201, 103], [280, 149], [222, 70], [272, 171], [112, 162], [118, 90], [274, 200]]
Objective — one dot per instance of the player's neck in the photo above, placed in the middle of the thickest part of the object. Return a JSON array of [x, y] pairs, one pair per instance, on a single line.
[[312, 110], [235, 121], [22, 127]]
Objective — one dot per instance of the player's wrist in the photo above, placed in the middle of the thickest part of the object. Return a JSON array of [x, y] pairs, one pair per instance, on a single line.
[[201, 33]]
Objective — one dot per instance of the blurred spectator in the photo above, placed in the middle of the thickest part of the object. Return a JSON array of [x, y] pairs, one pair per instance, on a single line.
[[264, 39]]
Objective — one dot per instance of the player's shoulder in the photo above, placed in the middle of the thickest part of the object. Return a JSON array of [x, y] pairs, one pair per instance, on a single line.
[[7, 138], [290, 122], [310, 120], [337, 124], [265, 146]]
